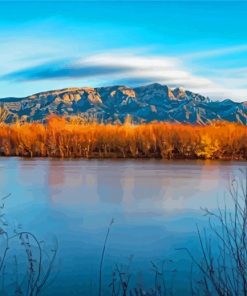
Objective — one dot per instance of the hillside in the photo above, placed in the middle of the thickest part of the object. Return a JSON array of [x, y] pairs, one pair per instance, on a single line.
[[153, 102]]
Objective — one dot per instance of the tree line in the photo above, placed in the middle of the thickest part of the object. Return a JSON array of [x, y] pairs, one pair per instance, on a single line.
[[72, 138]]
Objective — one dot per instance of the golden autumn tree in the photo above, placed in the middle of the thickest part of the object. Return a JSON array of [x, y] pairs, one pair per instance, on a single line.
[[59, 137]]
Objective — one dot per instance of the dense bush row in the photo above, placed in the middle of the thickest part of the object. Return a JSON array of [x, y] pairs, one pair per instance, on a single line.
[[61, 138]]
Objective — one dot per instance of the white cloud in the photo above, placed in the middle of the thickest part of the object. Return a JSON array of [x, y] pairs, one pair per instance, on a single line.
[[134, 68], [216, 52], [162, 69], [170, 71]]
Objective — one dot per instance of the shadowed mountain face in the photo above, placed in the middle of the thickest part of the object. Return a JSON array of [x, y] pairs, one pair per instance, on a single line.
[[153, 102]]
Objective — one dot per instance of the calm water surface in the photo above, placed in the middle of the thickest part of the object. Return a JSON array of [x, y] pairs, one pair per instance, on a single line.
[[155, 204]]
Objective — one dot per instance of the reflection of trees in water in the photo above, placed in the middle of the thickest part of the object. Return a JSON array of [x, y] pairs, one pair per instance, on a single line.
[[127, 186], [69, 183], [167, 184], [55, 174], [108, 189], [55, 178], [140, 185]]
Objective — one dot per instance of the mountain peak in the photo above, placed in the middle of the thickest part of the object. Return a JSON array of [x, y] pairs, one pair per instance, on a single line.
[[179, 92]]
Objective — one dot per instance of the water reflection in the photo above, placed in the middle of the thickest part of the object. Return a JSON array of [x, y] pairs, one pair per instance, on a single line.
[[133, 184], [109, 187], [155, 204]]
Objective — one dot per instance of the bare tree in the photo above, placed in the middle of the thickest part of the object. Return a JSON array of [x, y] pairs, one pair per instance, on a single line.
[[39, 261], [222, 267]]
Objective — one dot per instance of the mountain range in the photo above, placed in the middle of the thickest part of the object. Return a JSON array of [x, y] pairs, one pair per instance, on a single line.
[[154, 102]]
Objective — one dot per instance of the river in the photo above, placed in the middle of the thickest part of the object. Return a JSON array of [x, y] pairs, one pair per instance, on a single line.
[[155, 205]]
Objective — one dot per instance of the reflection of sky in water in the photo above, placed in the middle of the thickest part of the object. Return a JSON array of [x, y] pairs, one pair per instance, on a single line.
[[155, 205]]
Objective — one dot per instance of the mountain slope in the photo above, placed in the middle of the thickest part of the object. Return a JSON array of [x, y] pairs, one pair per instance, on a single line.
[[114, 104]]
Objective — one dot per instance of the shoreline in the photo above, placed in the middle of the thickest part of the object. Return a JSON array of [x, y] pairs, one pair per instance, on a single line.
[[127, 158]]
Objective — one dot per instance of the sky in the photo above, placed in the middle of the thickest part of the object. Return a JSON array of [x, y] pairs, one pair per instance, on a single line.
[[196, 45]]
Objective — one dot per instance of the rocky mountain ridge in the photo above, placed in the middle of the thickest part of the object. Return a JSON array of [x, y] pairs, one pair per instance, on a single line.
[[153, 102]]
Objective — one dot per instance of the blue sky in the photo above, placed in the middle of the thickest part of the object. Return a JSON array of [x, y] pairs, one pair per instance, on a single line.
[[201, 46]]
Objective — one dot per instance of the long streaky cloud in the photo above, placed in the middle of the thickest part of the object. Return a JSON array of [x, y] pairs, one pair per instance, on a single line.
[[62, 70], [130, 69], [216, 52], [114, 66]]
